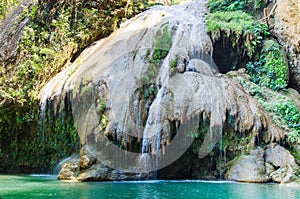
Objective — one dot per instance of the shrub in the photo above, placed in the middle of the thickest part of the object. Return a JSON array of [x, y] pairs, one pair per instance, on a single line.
[[173, 63], [282, 109], [239, 27], [271, 70], [232, 5], [6, 6], [162, 44]]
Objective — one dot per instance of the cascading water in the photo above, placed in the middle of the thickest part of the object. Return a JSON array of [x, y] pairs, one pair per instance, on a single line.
[[59, 165], [45, 106], [151, 142], [220, 155], [42, 121], [56, 131], [199, 96]]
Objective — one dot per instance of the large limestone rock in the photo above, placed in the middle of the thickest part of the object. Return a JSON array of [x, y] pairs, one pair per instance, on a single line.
[[279, 156], [69, 170], [155, 76], [287, 28], [86, 159], [274, 164], [99, 172], [249, 168], [284, 175]]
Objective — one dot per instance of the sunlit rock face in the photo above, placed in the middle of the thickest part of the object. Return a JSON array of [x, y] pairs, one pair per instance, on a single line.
[[150, 93], [287, 29]]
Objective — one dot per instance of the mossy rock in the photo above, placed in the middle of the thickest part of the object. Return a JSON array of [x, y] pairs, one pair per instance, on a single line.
[[233, 5], [271, 70], [276, 64], [240, 27]]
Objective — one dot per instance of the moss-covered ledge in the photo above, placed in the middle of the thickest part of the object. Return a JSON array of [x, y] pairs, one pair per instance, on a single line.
[[236, 34]]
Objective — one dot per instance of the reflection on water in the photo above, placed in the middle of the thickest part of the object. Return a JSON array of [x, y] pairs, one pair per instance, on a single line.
[[257, 191], [46, 186]]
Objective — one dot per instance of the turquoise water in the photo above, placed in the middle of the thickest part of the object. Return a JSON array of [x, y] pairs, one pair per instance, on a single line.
[[48, 187]]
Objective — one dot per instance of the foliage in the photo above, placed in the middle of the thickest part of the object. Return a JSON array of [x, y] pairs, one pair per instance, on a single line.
[[148, 88], [57, 135], [57, 31], [282, 109], [297, 157], [161, 49], [53, 138], [173, 63], [287, 109], [86, 90], [174, 2], [239, 27], [286, 114], [102, 105], [6, 6], [162, 45], [232, 20], [271, 69], [103, 120], [233, 5]]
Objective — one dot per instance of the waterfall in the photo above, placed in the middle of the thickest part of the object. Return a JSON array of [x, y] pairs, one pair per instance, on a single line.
[[42, 120], [45, 106], [151, 142], [59, 165], [152, 132], [44, 96], [220, 153], [186, 94], [153, 124]]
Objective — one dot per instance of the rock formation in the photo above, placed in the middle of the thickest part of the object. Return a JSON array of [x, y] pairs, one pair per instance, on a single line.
[[287, 28], [150, 92]]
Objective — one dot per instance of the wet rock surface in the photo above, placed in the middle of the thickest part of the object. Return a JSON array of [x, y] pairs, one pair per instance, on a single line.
[[69, 170], [124, 92]]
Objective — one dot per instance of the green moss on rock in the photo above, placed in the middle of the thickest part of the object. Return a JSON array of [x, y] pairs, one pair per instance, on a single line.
[[271, 70], [239, 27], [233, 5], [6, 6], [282, 109], [162, 45]]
